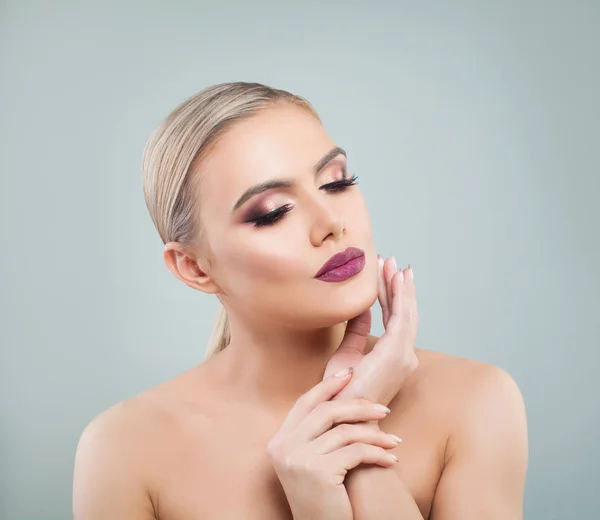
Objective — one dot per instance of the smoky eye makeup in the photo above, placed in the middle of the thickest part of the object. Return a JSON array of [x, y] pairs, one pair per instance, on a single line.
[[267, 218], [269, 211]]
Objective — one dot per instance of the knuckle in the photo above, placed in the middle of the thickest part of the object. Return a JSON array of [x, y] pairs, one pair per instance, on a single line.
[[309, 467], [361, 448], [292, 465], [333, 411], [324, 411], [323, 408], [304, 466], [343, 432]]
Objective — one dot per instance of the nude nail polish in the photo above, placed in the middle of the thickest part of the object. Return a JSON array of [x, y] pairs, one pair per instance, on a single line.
[[382, 409]]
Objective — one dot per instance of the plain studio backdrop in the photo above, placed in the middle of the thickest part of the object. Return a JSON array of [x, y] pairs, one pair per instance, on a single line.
[[473, 127]]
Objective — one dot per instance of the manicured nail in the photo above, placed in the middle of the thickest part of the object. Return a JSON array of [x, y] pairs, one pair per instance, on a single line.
[[381, 409], [395, 438], [410, 270], [393, 457], [394, 264], [345, 372]]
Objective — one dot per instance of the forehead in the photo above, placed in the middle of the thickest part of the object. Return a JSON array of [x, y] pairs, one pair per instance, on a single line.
[[283, 141]]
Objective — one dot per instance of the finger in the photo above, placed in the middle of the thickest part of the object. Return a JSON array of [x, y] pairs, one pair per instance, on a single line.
[[402, 319], [318, 394], [350, 456], [397, 306], [412, 299], [346, 433], [389, 269], [331, 413], [382, 292]]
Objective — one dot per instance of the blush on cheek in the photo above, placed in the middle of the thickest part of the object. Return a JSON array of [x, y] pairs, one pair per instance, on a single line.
[[275, 268]]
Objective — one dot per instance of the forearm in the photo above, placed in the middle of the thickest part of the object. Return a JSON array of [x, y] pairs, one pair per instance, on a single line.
[[379, 493], [376, 492]]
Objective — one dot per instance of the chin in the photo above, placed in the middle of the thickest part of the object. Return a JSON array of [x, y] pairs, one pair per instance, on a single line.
[[360, 301], [340, 306]]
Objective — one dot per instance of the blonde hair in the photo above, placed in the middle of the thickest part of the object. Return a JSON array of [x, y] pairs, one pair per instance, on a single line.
[[174, 151]]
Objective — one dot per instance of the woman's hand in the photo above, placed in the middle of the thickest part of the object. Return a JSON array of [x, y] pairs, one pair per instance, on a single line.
[[379, 375], [319, 442]]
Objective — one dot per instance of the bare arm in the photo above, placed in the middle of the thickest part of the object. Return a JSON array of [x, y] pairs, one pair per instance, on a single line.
[[486, 459], [380, 494], [107, 483]]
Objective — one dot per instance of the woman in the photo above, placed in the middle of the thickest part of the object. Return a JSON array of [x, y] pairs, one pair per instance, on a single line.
[[255, 204]]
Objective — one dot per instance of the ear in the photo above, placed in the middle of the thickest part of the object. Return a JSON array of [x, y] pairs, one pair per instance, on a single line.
[[188, 268]]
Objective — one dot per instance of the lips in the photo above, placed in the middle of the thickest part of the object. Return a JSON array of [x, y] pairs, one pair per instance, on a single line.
[[340, 259]]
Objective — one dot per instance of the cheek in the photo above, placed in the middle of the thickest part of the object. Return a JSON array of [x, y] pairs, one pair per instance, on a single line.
[[262, 257]]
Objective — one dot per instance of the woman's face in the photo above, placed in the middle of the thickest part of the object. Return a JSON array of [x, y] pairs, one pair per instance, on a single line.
[[267, 247]]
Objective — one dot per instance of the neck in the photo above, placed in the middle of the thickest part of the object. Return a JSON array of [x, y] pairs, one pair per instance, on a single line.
[[276, 366]]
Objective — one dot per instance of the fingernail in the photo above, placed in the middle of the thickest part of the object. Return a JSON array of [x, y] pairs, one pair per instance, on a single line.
[[381, 409], [395, 438], [345, 372], [393, 457], [410, 270], [394, 264], [380, 260]]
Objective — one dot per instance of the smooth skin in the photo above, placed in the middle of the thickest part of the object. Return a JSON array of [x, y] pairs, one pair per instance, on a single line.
[[224, 439]]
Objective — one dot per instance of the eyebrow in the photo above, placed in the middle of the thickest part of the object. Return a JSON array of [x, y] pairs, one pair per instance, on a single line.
[[277, 183]]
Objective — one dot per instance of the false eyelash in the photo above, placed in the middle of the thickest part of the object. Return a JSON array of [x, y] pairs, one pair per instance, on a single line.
[[271, 217], [341, 184]]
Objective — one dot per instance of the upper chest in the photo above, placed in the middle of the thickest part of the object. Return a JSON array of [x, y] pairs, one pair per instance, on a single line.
[[222, 470]]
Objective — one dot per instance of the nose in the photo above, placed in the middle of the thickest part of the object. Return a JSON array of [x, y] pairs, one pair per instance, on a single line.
[[327, 224]]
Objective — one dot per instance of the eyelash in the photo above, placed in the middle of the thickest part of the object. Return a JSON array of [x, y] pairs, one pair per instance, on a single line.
[[276, 215]]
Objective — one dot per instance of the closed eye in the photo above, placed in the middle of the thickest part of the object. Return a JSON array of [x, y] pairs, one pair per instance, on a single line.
[[268, 219]]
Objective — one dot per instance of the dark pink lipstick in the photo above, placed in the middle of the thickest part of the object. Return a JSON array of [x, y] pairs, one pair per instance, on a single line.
[[342, 266]]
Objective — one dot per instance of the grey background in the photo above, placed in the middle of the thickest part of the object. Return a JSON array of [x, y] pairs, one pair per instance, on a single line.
[[474, 129]]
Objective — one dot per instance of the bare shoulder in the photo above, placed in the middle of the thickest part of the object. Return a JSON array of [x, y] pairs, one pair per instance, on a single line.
[[136, 423], [115, 461], [464, 379], [122, 425], [482, 402], [109, 478], [485, 441]]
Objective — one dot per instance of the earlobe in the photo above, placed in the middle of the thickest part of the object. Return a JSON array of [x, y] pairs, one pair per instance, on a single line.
[[188, 269]]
